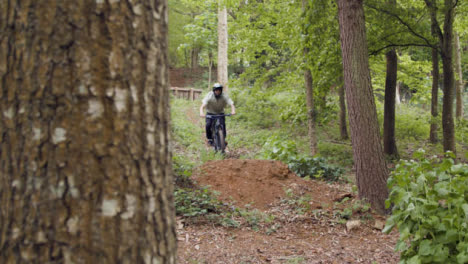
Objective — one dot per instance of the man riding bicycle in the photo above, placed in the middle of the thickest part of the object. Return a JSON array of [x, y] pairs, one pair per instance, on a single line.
[[215, 102]]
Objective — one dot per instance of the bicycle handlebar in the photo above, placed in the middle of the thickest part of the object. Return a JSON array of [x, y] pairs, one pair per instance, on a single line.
[[214, 116]]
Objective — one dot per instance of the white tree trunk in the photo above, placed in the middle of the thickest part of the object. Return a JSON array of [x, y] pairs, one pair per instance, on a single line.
[[397, 94], [222, 47]]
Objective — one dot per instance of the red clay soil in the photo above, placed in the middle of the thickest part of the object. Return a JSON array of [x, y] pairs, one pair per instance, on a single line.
[[313, 237], [255, 182]]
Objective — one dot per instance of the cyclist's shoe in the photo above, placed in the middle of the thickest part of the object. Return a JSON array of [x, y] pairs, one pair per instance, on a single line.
[[225, 143], [210, 143]]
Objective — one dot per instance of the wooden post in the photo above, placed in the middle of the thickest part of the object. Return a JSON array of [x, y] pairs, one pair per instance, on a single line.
[[191, 95]]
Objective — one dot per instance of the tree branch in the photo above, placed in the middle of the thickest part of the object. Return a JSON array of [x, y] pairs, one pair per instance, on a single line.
[[435, 27], [187, 14], [402, 22], [375, 52]]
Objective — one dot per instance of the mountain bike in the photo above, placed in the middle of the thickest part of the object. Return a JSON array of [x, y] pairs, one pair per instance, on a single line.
[[219, 143]]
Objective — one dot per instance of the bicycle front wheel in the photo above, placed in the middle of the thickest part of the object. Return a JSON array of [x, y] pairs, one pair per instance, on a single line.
[[220, 144]]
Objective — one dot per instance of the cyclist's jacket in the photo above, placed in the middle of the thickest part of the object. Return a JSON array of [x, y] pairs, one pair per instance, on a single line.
[[216, 106]]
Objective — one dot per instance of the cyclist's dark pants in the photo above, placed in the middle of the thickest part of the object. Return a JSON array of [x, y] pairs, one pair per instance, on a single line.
[[209, 121]]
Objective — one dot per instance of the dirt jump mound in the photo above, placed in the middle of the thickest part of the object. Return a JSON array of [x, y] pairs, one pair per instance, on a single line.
[[248, 182]]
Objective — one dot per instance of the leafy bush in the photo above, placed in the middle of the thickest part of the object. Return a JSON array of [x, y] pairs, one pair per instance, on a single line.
[[303, 165], [430, 209], [192, 203]]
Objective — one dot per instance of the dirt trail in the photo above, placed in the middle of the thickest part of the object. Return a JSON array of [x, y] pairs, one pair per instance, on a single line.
[[292, 238], [312, 237], [258, 183]]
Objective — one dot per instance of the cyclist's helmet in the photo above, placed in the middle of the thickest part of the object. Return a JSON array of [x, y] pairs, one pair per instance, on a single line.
[[217, 86]]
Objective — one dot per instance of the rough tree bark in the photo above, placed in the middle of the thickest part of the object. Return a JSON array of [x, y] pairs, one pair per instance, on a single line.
[[390, 147], [222, 47], [371, 169], [459, 81], [308, 81], [85, 164]]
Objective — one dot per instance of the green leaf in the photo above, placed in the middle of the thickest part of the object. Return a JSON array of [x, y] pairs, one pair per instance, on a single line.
[[425, 248], [414, 260], [442, 188], [462, 257], [465, 209]]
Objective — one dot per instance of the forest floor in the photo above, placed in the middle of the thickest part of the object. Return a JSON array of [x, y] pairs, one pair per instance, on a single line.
[[278, 217], [297, 229]]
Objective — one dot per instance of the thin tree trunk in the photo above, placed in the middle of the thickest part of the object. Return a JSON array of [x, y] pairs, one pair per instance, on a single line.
[[433, 138], [390, 147], [343, 125], [308, 81], [459, 81], [223, 47], [85, 162], [371, 169], [310, 111], [210, 66], [397, 95]]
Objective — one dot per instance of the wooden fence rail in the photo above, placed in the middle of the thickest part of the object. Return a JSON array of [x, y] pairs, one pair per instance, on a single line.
[[186, 93]]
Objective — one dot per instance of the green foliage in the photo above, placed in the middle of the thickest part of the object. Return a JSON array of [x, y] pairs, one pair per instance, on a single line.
[[412, 123], [198, 202], [430, 209], [300, 203], [283, 150], [461, 131], [182, 168], [184, 131], [337, 153]]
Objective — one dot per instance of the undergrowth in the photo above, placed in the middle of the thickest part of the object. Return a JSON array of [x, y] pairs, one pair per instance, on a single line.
[[430, 209]]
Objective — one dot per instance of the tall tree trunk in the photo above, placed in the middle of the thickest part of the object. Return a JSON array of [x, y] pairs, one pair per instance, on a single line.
[[308, 81], [85, 162], [371, 169], [448, 124], [210, 67], [194, 58], [222, 47], [310, 111], [390, 147], [433, 138], [445, 44], [343, 125], [459, 81]]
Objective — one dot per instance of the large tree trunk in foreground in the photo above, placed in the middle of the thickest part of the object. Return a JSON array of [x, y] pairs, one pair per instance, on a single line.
[[371, 170], [390, 147], [85, 165], [459, 81], [223, 47]]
